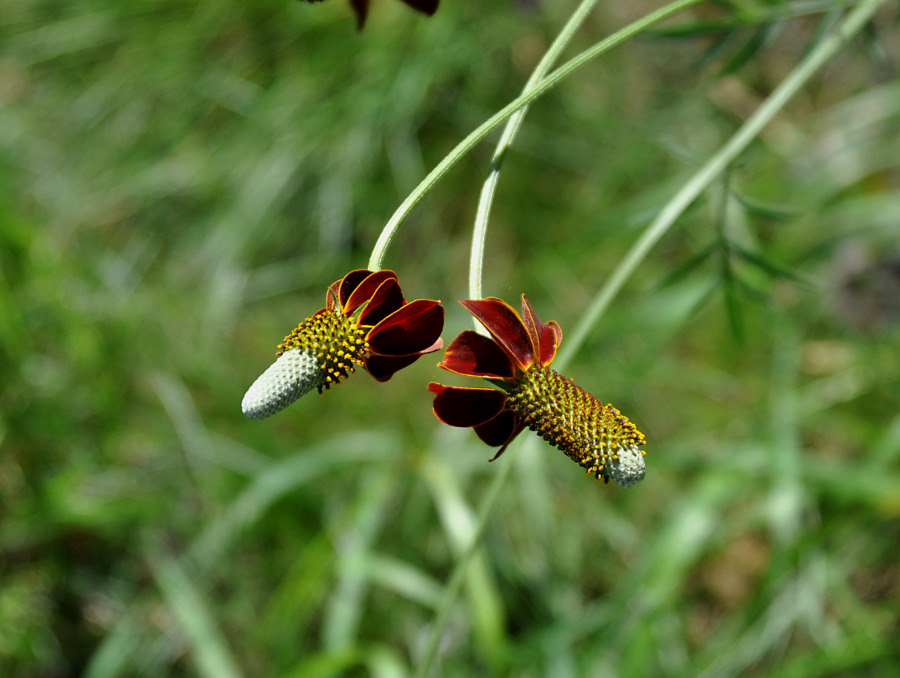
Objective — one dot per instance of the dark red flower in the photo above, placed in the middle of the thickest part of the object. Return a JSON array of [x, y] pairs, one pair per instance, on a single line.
[[366, 323], [516, 359], [361, 7]]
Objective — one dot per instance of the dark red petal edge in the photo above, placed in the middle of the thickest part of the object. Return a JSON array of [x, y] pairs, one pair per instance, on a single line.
[[505, 325], [386, 299], [546, 337], [497, 430], [361, 7], [409, 329], [383, 367], [428, 7], [515, 427], [473, 355], [465, 407], [365, 290], [349, 283]]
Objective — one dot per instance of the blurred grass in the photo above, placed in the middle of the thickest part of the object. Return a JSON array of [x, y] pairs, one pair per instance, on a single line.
[[179, 182]]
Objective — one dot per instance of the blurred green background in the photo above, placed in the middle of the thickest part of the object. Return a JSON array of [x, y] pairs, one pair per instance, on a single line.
[[179, 183]]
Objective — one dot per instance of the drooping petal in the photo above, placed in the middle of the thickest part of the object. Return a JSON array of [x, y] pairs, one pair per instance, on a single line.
[[518, 427], [365, 290], [349, 283], [498, 430], [428, 7], [410, 329], [546, 337], [361, 7], [386, 299], [465, 407], [505, 325], [383, 367], [473, 355]]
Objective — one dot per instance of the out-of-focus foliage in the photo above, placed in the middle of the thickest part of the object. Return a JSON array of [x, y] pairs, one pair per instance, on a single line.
[[180, 181]]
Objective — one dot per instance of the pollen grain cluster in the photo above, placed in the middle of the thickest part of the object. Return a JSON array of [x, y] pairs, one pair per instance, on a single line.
[[596, 436], [338, 344]]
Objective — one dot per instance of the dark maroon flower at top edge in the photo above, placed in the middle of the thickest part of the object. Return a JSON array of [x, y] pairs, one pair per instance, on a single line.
[[361, 8], [529, 394], [366, 323]]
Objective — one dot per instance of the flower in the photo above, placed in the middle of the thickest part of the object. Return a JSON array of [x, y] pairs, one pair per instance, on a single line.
[[366, 323], [361, 7], [516, 359]]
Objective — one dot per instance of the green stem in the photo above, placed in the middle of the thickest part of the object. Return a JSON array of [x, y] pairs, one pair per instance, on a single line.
[[451, 590], [673, 209], [541, 88], [670, 212], [482, 213]]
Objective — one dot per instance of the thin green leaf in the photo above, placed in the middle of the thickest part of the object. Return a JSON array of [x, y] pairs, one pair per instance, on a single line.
[[689, 266], [280, 478], [207, 645], [770, 267], [747, 18], [768, 210], [760, 38], [718, 49], [733, 306]]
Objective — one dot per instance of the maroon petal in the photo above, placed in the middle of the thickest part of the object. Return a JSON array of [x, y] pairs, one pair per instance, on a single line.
[[497, 431], [349, 283], [505, 325], [410, 329], [428, 7], [546, 337], [365, 290], [383, 367], [476, 356], [361, 7], [386, 299], [466, 406], [517, 428]]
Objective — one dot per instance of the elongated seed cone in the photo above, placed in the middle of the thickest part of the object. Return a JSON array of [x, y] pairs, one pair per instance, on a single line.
[[596, 436], [293, 374]]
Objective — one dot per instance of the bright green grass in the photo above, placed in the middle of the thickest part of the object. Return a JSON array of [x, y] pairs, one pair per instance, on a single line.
[[179, 182]]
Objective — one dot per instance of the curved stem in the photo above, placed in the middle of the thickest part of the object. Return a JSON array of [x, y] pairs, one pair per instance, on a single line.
[[668, 215], [482, 213], [541, 88], [713, 167]]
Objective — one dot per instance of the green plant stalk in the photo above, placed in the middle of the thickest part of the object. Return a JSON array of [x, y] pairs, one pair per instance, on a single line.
[[206, 643], [651, 235], [451, 590], [713, 167], [482, 213], [541, 88]]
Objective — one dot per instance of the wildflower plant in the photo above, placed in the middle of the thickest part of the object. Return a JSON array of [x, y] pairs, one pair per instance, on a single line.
[[366, 323], [516, 359], [365, 326], [138, 536]]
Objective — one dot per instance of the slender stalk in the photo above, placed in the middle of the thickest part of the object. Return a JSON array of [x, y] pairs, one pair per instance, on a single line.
[[451, 589], [713, 167], [826, 49], [482, 213], [541, 88]]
